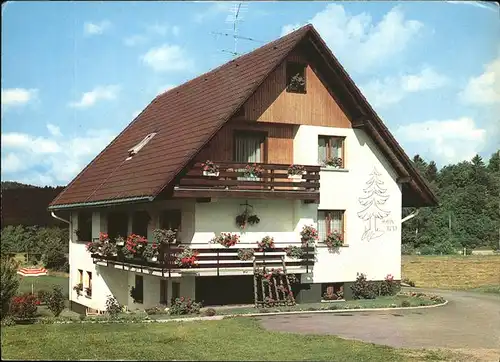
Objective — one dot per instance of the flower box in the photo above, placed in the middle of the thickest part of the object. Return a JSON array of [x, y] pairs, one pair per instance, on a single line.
[[208, 173]]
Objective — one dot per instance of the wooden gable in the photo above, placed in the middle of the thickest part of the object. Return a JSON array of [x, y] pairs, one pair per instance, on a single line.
[[273, 103]]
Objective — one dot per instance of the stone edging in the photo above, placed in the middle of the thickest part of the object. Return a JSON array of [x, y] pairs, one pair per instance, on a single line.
[[220, 317]]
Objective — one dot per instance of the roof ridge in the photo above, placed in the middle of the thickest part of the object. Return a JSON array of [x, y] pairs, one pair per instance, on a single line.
[[280, 39]]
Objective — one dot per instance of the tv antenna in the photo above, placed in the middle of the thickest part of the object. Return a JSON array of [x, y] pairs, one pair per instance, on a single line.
[[234, 18]]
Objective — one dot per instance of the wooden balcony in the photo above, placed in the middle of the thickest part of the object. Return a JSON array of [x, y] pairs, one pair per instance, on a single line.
[[274, 183], [217, 262]]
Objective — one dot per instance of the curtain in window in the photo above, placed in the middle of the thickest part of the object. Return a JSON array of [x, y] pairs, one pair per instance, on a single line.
[[322, 146], [248, 150], [336, 150], [329, 221]]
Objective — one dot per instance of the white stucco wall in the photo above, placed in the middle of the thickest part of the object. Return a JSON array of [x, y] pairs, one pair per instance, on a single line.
[[341, 190]]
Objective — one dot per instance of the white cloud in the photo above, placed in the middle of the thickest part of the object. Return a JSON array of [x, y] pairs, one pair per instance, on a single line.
[[90, 28], [88, 99], [134, 40], [13, 97], [54, 130], [485, 88], [216, 8], [167, 58], [391, 90], [61, 159], [165, 88], [360, 43], [448, 141]]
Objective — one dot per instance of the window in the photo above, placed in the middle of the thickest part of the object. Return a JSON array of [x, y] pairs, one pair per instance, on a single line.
[[330, 221], [84, 231], [295, 77], [176, 291], [117, 224], [331, 151], [140, 145], [332, 291], [80, 276], [170, 219], [88, 289], [249, 147], [163, 291], [140, 221], [139, 289]]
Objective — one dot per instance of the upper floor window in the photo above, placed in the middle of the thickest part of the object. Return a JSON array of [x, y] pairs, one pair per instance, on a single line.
[[140, 222], [84, 231], [117, 224], [295, 77], [331, 151]]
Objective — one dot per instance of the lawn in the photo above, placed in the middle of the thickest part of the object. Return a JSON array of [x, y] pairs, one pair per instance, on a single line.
[[44, 283], [230, 339], [452, 272]]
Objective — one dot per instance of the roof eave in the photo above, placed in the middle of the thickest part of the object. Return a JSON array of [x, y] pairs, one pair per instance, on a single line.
[[101, 203]]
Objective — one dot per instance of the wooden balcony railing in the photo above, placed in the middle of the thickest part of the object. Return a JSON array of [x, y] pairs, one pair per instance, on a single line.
[[218, 258], [231, 181]]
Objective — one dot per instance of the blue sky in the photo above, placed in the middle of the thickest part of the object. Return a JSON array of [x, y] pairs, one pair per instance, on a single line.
[[74, 74]]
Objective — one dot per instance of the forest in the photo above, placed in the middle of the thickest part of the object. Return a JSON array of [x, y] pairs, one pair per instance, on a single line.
[[468, 215]]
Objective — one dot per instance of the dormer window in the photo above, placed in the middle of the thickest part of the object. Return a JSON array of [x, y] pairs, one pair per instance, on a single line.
[[140, 145], [295, 77]]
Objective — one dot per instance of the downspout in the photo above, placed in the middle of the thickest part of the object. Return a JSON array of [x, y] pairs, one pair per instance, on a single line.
[[59, 218], [411, 216]]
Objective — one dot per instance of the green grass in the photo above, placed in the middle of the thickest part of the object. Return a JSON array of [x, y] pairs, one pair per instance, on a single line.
[[231, 339], [489, 289], [43, 283], [451, 272]]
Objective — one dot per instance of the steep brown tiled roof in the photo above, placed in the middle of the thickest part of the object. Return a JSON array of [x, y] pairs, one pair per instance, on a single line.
[[188, 116], [185, 118]]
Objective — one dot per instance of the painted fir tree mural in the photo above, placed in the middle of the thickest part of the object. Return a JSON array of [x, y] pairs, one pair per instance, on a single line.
[[375, 195]]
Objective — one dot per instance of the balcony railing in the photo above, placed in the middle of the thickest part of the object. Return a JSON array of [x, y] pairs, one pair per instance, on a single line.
[[218, 258], [232, 181]]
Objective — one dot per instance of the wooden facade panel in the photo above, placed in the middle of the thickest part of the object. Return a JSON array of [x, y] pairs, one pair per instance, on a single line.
[[272, 103], [279, 142]]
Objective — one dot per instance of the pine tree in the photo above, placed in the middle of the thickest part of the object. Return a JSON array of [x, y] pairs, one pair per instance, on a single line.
[[375, 196]]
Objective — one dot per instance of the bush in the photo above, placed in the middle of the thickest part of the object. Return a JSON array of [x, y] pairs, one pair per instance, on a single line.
[[407, 249], [405, 303], [388, 286], [9, 283], [55, 301], [159, 309], [43, 296], [184, 306], [8, 321], [24, 306], [363, 288], [210, 312], [113, 308]]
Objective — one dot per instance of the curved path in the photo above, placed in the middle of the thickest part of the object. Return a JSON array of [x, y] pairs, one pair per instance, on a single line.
[[469, 321]]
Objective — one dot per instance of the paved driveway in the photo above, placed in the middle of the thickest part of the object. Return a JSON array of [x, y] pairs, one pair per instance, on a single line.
[[469, 321]]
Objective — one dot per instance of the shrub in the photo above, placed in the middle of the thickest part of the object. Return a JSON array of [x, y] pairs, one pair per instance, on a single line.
[[113, 308], [210, 312], [363, 288], [55, 300], [8, 321], [24, 306], [405, 303], [159, 309], [388, 286], [9, 283], [184, 306], [407, 249]]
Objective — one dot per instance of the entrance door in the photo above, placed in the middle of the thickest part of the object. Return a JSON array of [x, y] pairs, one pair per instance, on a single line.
[[249, 147]]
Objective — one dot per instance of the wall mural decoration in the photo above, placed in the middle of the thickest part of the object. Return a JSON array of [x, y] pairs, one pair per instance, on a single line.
[[373, 213]]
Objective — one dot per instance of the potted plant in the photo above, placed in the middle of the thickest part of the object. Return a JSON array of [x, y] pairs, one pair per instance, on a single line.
[[78, 288], [94, 247], [335, 162], [210, 168], [334, 240], [295, 172], [151, 252], [245, 254], [297, 84], [88, 292], [254, 171], [108, 249], [226, 239], [308, 235], [267, 243], [120, 241], [187, 258], [165, 236], [136, 244], [294, 252], [246, 218]]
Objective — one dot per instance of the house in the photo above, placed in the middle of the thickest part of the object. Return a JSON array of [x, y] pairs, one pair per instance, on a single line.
[[287, 103]]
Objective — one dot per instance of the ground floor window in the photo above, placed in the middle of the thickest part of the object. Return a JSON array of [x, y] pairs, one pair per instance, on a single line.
[[88, 288], [139, 289], [330, 221], [80, 276], [332, 291], [163, 291], [176, 290]]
